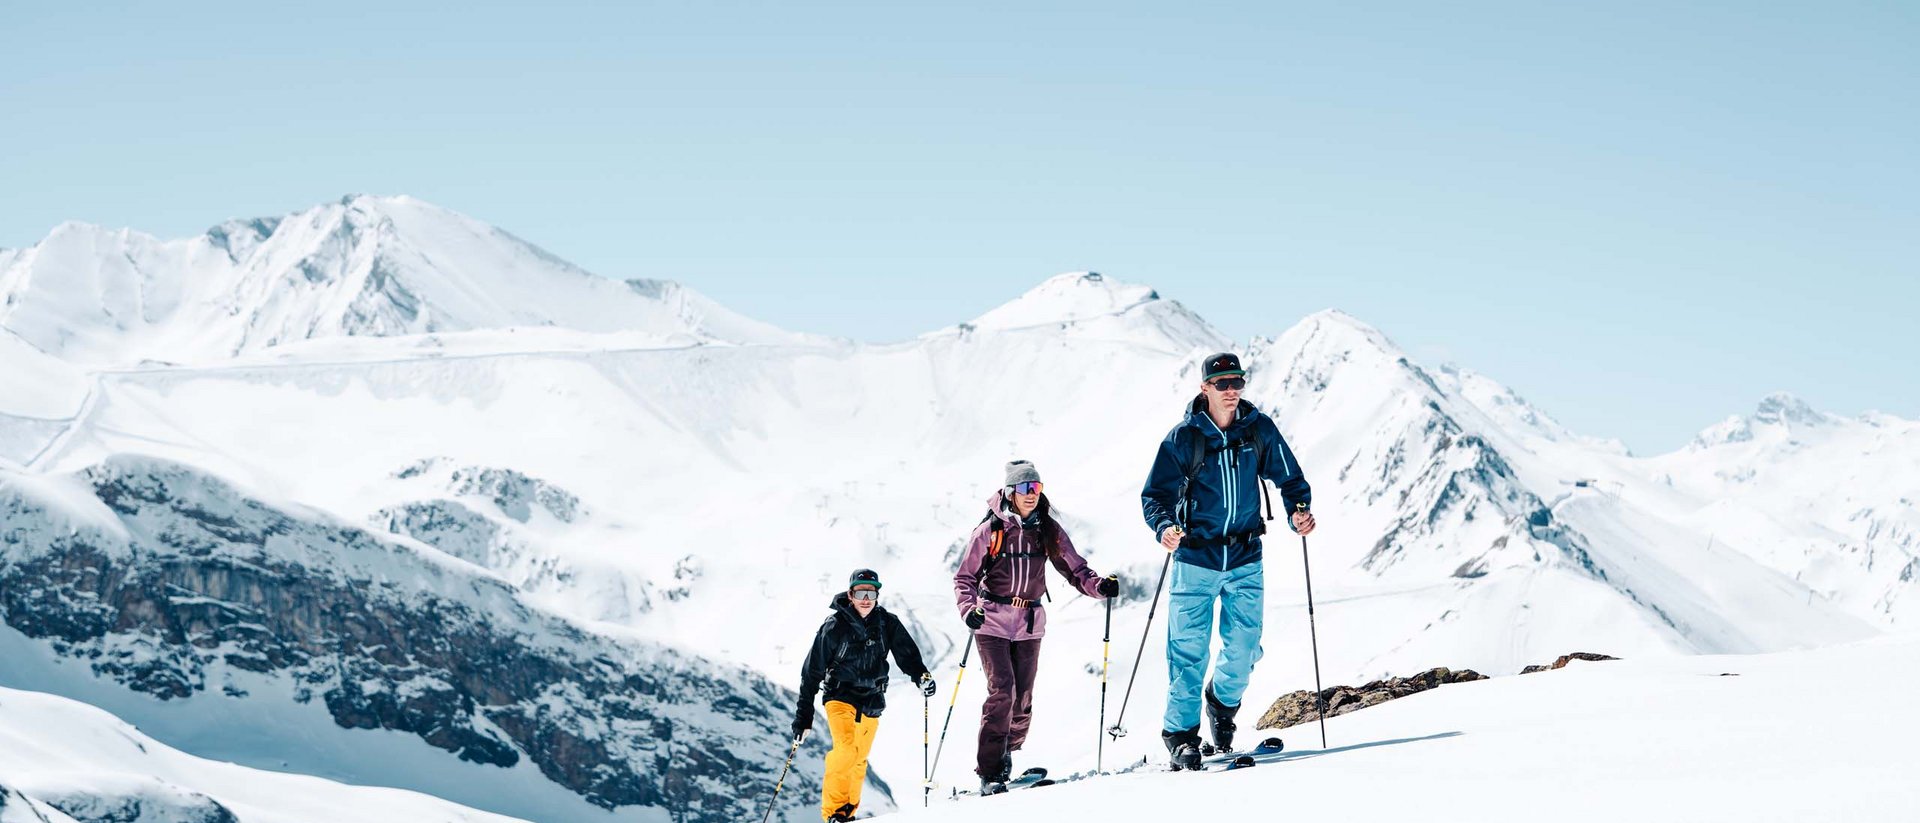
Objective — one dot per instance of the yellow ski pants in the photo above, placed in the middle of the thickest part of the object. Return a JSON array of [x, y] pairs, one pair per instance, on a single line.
[[847, 762]]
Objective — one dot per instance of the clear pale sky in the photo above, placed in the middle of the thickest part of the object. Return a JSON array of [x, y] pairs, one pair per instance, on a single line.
[[1642, 217]]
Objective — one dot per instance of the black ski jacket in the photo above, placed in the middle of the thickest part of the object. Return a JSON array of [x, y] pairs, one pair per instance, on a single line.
[[850, 654]]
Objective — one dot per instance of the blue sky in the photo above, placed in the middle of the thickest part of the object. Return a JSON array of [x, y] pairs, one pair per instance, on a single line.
[[1642, 218]]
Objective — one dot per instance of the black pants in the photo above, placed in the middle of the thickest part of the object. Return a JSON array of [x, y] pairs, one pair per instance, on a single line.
[[1008, 712]]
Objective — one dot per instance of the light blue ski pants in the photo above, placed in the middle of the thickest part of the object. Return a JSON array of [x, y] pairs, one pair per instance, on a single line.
[[1241, 594]]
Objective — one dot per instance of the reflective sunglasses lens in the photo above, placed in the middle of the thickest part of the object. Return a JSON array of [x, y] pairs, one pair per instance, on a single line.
[[1230, 383], [1028, 487], [865, 594]]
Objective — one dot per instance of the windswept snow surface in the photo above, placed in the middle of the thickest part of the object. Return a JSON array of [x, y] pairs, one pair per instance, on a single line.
[[1713, 738], [64, 754]]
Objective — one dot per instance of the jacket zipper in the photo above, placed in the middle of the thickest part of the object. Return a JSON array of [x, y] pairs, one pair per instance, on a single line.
[[1226, 528], [1020, 568]]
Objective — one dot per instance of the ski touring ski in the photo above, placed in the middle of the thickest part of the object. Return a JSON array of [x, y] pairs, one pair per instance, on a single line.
[[1242, 760], [1031, 778]]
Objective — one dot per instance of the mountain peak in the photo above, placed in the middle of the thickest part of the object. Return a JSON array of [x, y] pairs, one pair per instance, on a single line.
[[1090, 303], [1068, 298], [1777, 412], [1783, 408]]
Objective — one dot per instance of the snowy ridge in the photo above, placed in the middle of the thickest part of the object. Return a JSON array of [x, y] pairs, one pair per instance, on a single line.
[[1089, 304], [1455, 493], [364, 266], [1830, 501]]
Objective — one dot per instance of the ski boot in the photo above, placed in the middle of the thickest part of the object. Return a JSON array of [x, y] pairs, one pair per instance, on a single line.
[[843, 813], [996, 783], [1221, 716], [1184, 749]]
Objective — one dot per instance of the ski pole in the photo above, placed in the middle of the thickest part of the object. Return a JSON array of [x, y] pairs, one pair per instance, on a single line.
[[949, 721], [1319, 695], [926, 766], [1116, 730], [1106, 643], [783, 776]]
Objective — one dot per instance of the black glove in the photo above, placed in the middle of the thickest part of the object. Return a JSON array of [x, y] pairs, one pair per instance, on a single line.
[[976, 618], [926, 684], [803, 722], [1110, 586]]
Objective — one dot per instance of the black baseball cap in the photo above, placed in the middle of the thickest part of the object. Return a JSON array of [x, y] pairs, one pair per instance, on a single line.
[[863, 577], [1224, 364]]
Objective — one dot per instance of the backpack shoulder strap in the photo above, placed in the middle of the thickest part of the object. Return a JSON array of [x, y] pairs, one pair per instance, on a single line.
[[998, 531], [1196, 452]]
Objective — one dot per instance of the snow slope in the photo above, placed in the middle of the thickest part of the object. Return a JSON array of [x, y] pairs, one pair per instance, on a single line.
[[1712, 738], [64, 754]]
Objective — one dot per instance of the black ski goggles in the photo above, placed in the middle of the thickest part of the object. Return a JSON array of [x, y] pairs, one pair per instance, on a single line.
[[864, 595], [1028, 487], [1229, 384]]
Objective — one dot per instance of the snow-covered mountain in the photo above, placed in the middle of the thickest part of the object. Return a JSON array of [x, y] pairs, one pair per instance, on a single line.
[[639, 487], [239, 629], [364, 266], [1832, 502]]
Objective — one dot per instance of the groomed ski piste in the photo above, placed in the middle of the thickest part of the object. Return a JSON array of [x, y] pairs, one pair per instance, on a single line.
[[1796, 736]]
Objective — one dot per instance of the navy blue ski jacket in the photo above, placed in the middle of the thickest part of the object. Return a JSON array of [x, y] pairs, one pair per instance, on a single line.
[[1219, 505]]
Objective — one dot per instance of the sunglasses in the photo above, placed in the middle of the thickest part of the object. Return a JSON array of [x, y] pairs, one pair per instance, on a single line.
[[864, 595], [1028, 487], [1229, 384]]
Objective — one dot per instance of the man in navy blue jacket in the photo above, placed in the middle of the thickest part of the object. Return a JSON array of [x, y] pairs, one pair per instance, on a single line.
[[1203, 500]]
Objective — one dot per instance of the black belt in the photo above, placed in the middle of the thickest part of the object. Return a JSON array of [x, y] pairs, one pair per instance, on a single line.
[[1009, 601], [1240, 539]]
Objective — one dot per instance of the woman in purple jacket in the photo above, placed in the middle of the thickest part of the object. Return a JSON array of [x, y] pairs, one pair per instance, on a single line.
[[999, 587]]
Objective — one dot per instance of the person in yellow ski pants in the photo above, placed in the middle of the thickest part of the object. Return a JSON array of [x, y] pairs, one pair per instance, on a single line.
[[849, 655]]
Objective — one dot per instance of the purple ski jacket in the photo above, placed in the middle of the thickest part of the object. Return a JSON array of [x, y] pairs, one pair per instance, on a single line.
[[1020, 571]]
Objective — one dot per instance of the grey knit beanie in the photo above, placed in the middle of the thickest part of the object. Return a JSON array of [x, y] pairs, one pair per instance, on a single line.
[[1021, 471]]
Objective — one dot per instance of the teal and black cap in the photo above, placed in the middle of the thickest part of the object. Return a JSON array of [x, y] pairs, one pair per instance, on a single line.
[[864, 577], [1224, 364]]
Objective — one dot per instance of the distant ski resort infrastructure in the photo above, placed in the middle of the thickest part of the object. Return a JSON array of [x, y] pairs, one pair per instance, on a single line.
[[377, 512]]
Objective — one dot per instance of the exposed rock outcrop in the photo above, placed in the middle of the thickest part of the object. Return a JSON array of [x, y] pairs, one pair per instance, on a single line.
[[1564, 659], [1303, 706]]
